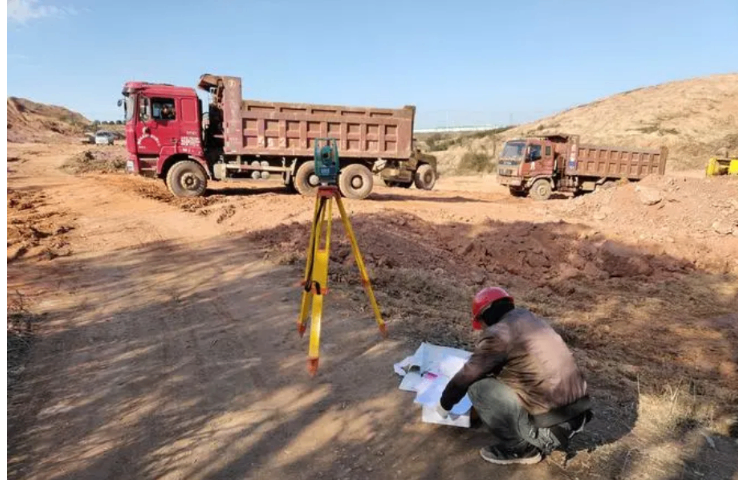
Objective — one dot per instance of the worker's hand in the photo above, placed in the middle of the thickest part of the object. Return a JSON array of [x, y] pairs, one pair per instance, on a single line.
[[442, 411]]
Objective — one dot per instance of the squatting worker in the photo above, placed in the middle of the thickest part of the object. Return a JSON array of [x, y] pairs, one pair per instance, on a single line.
[[522, 380]]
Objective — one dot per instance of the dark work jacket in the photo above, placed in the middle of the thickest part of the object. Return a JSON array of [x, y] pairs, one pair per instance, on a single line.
[[525, 353]]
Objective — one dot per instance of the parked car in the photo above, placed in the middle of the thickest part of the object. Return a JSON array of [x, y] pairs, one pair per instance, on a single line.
[[104, 138]]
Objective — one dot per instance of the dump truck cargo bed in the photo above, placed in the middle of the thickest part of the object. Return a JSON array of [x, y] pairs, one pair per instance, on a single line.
[[616, 162], [253, 127]]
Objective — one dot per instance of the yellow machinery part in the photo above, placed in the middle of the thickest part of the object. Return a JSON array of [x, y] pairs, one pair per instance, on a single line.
[[722, 166], [733, 167]]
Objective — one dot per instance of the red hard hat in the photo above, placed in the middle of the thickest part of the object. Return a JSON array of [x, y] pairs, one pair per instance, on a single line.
[[482, 300]]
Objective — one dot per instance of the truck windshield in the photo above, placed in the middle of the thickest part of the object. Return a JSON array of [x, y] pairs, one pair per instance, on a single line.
[[513, 150], [128, 107]]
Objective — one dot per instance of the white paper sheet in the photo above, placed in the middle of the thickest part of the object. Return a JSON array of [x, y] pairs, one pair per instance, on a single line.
[[429, 357], [410, 382], [426, 382], [432, 395], [427, 372], [449, 365], [401, 368], [431, 416]]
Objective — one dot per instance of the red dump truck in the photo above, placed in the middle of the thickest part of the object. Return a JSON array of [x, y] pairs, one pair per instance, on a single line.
[[538, 166], [168, 135]]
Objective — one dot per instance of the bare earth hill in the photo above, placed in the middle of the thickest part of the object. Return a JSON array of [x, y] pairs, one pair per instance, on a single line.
[[695, 119], [30, 121]]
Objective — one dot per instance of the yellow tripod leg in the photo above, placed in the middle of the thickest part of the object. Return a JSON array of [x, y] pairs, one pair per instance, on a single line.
[[360, 263], [320, 279], [306, 296]]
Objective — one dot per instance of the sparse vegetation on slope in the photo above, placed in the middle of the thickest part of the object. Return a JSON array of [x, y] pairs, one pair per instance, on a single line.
[[694, 119]]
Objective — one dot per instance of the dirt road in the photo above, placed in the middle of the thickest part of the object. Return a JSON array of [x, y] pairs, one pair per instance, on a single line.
[[166, 344]]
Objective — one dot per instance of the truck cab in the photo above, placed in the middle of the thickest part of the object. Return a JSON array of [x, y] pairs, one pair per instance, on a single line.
[[163, 129], [532, 165]]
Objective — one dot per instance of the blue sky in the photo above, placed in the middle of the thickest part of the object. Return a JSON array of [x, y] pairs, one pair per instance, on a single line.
[[460, 62]]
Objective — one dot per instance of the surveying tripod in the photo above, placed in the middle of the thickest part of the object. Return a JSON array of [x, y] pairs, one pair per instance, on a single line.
[[315, 280]]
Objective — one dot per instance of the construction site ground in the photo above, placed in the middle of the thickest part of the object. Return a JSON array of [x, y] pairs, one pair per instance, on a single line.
[[162, 337]]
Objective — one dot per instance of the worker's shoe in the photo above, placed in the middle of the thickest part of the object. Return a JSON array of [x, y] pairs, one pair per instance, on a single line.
[[526, 454]]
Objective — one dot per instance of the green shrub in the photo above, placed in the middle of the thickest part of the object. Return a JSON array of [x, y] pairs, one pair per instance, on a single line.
[[476, 161]]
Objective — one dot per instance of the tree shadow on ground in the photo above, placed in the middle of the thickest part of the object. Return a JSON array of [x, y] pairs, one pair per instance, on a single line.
[[173, 360]]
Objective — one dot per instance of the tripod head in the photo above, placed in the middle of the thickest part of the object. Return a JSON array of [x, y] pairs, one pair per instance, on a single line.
[[327, 163]]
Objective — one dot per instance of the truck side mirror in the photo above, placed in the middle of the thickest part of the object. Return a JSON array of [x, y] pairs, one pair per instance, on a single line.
[[120, 102]]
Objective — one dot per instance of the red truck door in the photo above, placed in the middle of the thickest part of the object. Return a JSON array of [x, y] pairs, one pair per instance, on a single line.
[[157, 128], [532, 159], [539, 159], [189, 125], [547, 158]]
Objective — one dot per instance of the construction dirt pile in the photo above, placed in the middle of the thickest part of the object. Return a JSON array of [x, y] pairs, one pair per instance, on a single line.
[[695, 119], [34, 230], [36, 122], [97, 160], [669, 211], [402, 250]]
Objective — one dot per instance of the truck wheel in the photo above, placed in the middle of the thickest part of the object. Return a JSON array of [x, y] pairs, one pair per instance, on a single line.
[[187, 178], [355, 181], [518, 192], [425, 177], [540, 190], [305, 180]]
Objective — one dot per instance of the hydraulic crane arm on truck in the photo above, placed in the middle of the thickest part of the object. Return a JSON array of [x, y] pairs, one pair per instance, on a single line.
[[168, 135], [538, 166]]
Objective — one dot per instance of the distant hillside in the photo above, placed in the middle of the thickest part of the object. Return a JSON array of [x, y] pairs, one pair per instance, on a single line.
[[33, 122], [694, 118]]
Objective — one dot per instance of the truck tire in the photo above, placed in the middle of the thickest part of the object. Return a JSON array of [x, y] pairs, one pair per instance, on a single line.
[[187, 178], [355, 181], [541, 190], [425, 177], [305, 180]]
